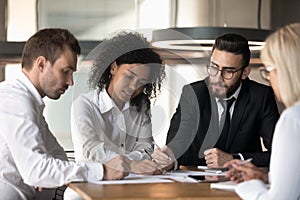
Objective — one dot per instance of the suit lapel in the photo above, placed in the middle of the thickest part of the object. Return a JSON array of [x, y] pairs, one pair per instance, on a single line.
[[239, 109]]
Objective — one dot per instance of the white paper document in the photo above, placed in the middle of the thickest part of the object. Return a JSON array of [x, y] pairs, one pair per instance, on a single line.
[[136, 179], [227, 185], [176, 176]]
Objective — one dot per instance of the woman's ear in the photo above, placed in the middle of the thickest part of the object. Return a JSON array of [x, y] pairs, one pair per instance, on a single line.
[[113, 68], [246, 72]]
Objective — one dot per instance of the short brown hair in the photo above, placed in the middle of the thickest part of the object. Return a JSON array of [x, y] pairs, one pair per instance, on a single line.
[[48, 43]]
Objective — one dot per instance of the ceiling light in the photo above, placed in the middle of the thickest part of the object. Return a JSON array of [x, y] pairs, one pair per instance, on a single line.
[[197, 42]]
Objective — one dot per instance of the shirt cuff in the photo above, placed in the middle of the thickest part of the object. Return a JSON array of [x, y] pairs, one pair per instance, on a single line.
[[136, 155], [95, 172], [238, 156], [242, 157]]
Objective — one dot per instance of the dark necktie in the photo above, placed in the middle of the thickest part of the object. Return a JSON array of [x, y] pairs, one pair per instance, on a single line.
[[221, 144]]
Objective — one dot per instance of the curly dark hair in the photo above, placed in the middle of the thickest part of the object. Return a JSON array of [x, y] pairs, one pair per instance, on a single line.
[[127, 47]]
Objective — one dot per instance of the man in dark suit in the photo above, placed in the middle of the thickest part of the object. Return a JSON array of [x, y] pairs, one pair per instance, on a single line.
[[199, 132]]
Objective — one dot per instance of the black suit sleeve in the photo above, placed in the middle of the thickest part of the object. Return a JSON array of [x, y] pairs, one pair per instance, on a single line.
[[183, 128], [268, 120]]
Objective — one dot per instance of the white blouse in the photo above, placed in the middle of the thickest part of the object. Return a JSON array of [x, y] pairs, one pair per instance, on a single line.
[[100, 130], [284, 175], [29, 154]]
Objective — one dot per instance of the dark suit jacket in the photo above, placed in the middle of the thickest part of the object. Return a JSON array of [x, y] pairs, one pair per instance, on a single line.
[[255, 115]]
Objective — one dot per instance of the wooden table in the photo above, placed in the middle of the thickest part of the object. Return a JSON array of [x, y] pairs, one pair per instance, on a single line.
[[157, 191]]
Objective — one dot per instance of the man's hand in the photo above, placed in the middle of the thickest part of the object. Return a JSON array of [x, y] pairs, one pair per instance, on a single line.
[[248, 171], [216, 158], [117, 168], [164, 157]]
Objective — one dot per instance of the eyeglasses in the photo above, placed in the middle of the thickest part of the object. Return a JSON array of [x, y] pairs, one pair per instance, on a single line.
[[226, 73], [265, 72]]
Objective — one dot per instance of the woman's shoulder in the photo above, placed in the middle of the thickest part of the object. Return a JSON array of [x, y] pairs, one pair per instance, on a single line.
[[291, 114], [293, 110]]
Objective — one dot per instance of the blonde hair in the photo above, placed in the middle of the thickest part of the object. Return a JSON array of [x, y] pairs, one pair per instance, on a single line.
[[282, 51]]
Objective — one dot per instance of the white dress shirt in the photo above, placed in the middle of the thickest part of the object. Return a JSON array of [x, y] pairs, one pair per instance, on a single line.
[[221, 108], [29, 154], [100, 130], [284, 175]]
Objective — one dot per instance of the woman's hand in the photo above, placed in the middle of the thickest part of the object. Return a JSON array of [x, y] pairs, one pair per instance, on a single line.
[[164, 157], [145, 167], [247, 171]]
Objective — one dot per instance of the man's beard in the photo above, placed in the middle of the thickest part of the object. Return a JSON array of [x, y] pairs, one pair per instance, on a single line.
[[223, 91]]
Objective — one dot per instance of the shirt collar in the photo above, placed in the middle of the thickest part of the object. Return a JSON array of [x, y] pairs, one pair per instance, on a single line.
[[106, 103], [32, 89]]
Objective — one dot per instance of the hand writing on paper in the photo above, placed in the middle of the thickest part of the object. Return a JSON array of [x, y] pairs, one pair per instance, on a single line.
[[145, 167], [164, 157], [247, 171]]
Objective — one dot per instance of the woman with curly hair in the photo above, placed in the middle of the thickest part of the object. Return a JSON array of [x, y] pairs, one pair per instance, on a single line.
[[114, 118]]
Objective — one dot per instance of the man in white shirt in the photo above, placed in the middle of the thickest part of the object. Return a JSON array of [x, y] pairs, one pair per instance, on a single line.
[[30, 156]]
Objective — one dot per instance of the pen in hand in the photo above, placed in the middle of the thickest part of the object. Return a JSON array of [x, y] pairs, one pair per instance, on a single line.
[[244, 162], [149, 154], [155, 144], [158, 147], [152, 159], [225, 169]]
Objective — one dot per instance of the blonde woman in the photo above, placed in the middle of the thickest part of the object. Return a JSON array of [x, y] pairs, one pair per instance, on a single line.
[[280, 56]]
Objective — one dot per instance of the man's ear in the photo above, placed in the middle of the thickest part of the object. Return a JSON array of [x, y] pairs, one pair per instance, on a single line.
[[40, 62], [113, 68], [246, 72]]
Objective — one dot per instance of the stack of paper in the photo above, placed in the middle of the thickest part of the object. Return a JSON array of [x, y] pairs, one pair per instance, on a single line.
[[226, 185], [185, 176]]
